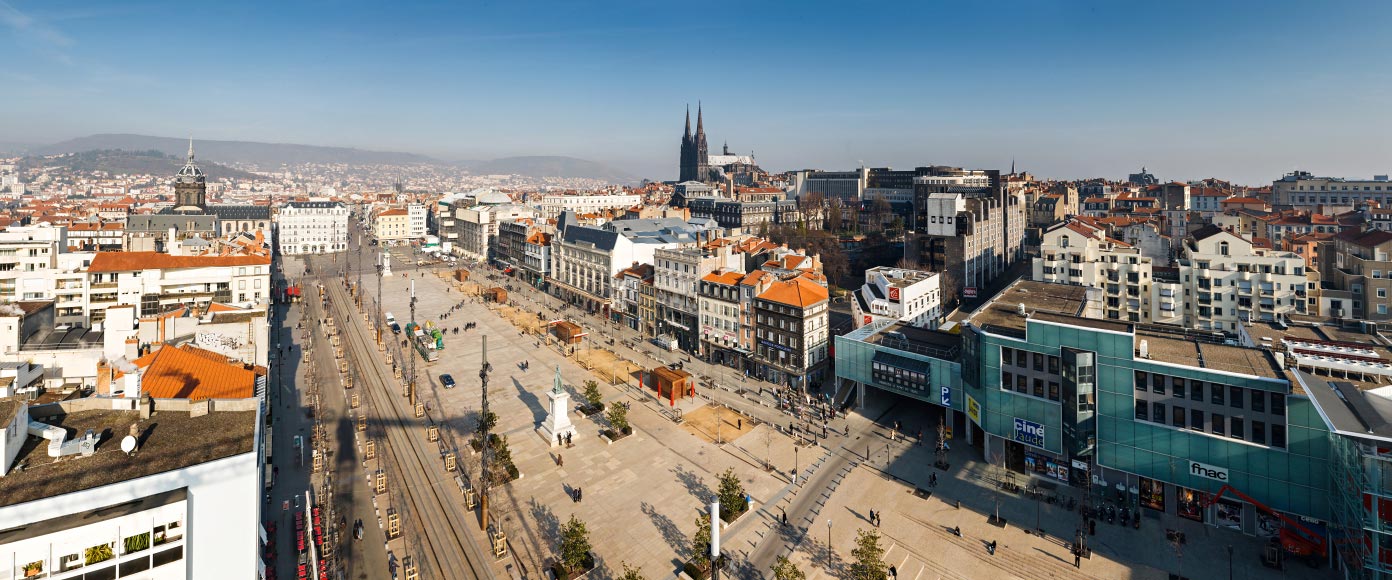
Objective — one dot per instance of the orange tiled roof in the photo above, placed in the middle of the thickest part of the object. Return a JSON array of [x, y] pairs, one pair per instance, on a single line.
[[186, 372], [726, 278], [799, 292], [129, 261]]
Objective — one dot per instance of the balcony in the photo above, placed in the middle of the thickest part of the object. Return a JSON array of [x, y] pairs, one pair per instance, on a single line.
[[104, 285]]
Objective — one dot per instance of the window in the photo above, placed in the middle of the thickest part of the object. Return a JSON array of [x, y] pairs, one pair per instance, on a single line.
[[1237, 432], [1158, 385], [1219, 425], [1157, 410], [1178, 387], [1053, 390], [1038, 362], [1259, 432], [1235, 397], [1258, 401], [1039, 388], [1196, 420], [1007, 356], [1278, 404], [1021, 383], [1196, 390], [1178, 415], [1218, 392], [1142, 411], [1053, 365], [1278, 436], [1007, 380], [1142, 381]]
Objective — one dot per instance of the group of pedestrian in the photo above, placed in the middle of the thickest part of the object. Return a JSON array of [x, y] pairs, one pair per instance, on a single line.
[[875, 518]]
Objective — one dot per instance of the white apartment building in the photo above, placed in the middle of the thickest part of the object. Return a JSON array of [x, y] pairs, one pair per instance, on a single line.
[[554, 205], [1076, 253], [677, 273], [312, 227], [417, 221], [911, 296], [155, 282], [1304, 189], [477, 227], [183, 504], [1228, 281]]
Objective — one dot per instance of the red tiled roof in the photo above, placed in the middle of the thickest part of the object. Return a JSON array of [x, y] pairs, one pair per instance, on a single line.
[[187, 372], [130, 261], [799, 292]]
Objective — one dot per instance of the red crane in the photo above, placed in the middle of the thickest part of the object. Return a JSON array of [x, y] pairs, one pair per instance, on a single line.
[[1295, 537]]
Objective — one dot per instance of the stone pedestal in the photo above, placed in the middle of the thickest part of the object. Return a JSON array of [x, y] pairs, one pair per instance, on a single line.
[[558, 421]]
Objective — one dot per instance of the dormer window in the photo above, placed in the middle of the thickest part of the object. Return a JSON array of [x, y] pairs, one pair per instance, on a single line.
[[1223, 248], [1063, 242]]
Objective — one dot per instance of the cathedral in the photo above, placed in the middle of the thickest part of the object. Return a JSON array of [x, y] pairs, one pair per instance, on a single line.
[[695, 158], [697, 164], [190, 188]]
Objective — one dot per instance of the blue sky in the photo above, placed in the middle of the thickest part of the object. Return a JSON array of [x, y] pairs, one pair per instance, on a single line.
[[1240, 90]]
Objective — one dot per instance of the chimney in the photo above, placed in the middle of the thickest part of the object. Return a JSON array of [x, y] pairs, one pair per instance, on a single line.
[[132, 384], [147, 408], [104, 375]]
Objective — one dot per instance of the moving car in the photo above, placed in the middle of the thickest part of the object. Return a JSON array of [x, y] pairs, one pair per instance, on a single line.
[[447, 381]]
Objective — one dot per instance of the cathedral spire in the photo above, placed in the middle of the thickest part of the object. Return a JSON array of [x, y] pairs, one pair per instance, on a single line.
[[688, 122], [190, 153], [700, 126]]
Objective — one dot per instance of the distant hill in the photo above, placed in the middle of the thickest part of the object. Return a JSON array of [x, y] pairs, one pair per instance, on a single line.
[[266, 156], [549, 166], [118, 161]]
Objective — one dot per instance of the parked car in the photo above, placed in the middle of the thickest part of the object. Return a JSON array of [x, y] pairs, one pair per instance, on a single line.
[[447, 381]]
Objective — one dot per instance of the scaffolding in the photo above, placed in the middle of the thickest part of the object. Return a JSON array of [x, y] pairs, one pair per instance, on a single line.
[[1362, 507]]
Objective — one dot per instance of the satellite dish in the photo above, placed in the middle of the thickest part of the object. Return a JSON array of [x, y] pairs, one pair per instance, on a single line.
[[128, 444]]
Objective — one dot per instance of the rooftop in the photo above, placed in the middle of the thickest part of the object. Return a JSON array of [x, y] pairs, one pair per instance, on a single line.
[[1003, 311], [130, 261], [170, 440], [189, 372]]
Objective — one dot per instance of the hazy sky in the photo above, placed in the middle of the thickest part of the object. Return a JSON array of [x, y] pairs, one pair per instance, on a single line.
[[1240, 90]]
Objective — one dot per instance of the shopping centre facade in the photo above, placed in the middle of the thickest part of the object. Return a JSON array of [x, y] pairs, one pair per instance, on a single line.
[[1220, 429]]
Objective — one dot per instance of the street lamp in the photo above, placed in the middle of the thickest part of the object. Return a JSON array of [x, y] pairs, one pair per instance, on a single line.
[[828, 544]]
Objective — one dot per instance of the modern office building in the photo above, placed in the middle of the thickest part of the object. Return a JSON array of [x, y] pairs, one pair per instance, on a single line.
[[910, 296]]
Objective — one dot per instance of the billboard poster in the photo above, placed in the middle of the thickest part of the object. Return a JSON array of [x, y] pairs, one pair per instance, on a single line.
[[1229, 514]]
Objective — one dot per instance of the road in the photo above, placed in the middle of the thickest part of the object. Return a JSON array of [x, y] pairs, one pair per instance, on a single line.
[[442, 534]]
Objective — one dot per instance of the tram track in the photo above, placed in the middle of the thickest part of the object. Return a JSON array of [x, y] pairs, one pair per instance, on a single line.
[[419, 477]]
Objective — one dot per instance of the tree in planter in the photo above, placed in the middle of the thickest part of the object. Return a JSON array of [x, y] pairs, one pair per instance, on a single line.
[[785, 569], [485, 424], [631, 573], [618, 419], [869, 557], [98, 553], [575, 545], [502, 467], [731, 495], [593, 400], [701, 543], [137, 543]]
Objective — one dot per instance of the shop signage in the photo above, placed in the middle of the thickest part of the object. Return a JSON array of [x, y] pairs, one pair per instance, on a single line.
[[869, 319], [1029, 433], [1208, 471], [775, 345], [969, 292], [974, 410], [1080, 465], [946, 396], [894, 294]]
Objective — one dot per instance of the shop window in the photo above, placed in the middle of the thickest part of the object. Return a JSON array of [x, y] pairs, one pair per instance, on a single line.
[[1177, 414], [1142, 381], [1258, 401], [1178, 387], [1237, 430], [1235, 397], [1158, 385], [1142, 411], [1220, 427], [1278, 436], [1157, 411], [1218, 394], [1196, 390], [1259, 432], [1196, 420]]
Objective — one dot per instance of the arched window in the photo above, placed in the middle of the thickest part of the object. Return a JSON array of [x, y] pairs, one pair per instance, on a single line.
[[1063, 242]]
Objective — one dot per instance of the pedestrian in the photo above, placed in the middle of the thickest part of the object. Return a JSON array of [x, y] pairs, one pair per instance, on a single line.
[[872, 517], [785, 516], [893, 572], [560, 460], [933, 480], [1077, 557], [741, 424]]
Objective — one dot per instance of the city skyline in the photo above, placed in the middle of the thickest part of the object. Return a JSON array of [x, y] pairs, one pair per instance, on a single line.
[[1067, 90]]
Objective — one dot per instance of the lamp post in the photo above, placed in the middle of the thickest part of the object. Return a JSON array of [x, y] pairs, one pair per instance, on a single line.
[[1229, 562], [828, 544]]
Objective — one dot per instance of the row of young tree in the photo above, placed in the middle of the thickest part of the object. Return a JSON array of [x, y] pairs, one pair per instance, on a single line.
[[576, 554]]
